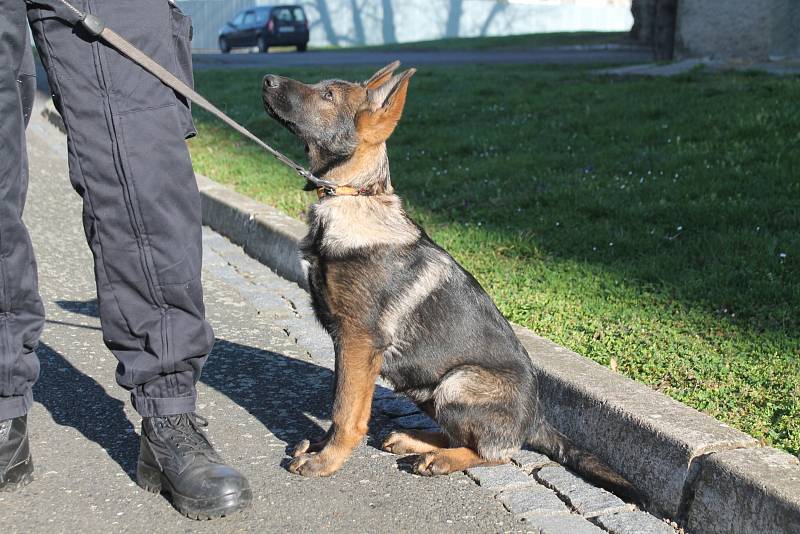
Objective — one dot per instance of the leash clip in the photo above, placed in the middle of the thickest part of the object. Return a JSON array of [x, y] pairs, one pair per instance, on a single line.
[[93, 25]]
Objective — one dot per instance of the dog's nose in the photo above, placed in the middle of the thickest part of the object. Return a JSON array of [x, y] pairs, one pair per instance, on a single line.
[[271, 81]]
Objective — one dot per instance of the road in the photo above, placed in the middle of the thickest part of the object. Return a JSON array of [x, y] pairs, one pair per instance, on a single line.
[[266, 386], [538, 56]]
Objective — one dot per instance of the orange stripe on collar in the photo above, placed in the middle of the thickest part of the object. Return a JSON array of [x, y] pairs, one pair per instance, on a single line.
[[341, 191]]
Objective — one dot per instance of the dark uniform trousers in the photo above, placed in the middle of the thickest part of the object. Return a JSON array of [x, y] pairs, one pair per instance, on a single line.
[[129, 162]]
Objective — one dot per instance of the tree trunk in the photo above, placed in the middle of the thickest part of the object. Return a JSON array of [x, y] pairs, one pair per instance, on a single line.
[[654, 25], [664, 30], [644, 14]]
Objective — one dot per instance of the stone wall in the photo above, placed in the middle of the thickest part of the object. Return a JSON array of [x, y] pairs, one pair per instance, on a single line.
[[747, 29], [785, 31]]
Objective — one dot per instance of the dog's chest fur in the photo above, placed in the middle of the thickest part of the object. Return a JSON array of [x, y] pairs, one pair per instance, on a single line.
[[353, 248]]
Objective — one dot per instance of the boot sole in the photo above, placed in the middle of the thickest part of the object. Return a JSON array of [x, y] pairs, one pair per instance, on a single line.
[[153, 480], [17, 477]]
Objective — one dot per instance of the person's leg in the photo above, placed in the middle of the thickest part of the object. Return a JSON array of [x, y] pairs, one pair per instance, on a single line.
[[129, 161], [21, 313]]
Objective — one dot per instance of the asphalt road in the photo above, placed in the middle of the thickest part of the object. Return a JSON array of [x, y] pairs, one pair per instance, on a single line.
[[538, 56]]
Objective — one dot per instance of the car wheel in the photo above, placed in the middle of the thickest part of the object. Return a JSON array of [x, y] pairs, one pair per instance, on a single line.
[[224, 47], [302, 47], [263, 47]]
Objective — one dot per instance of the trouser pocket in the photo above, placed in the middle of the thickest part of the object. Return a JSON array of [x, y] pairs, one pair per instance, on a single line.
[[182, 42]]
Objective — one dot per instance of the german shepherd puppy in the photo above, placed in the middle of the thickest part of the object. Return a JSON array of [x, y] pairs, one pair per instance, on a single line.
[[398, 305]]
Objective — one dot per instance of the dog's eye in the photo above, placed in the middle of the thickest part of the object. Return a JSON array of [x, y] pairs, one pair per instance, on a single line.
[[328, 95]]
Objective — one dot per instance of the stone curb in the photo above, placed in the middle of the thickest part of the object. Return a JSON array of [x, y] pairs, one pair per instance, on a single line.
[[688, 466]]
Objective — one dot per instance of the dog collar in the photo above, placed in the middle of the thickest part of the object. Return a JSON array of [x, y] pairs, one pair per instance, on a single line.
[[342, 191]]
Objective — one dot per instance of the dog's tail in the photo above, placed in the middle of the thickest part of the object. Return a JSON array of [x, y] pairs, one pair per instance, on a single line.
[[557, 446]]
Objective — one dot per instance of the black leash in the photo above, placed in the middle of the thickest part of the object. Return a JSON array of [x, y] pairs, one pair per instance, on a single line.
[[97, 28]]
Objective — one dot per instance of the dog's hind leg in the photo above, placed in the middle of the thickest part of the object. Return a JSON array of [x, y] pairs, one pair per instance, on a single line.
[[483, 414], [415, 442], [446, 461]]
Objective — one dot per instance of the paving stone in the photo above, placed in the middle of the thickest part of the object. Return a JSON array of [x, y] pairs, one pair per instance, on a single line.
[[501, 477], [533, 501], [396, 407], [585, 498], [571, 524], [529, 460], [634, 523], [418, 421]]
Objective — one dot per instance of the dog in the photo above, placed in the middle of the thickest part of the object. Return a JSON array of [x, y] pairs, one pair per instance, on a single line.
[[398, 305]]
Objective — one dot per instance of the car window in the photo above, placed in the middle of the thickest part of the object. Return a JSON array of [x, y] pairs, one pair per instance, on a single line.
[[262, 15], [283, 15], [238, 20], [299, 14], [249, 18]]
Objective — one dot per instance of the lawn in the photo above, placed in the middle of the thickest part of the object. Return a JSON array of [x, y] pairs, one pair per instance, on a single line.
[[507, 42], [650, 225]]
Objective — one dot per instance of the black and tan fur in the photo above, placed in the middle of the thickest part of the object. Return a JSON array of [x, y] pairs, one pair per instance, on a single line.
[[398, 305]]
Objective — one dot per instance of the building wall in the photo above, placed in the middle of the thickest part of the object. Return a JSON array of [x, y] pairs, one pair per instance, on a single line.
[[785, 31], [360, 22], [749, 29]]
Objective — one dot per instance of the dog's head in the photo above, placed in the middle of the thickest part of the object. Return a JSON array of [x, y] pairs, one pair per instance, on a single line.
[[336, 118]]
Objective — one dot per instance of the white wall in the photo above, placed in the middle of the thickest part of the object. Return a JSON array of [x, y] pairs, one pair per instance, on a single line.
[[359, 22]]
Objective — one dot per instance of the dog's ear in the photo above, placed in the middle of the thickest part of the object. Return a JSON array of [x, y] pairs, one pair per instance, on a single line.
[[386, 102], [382, 76]]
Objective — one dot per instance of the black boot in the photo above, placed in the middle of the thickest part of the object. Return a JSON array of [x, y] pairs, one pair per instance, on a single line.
[[177, 459], [16, 465]]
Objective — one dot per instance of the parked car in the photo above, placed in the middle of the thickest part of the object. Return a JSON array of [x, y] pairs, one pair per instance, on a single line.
[[265, 26]]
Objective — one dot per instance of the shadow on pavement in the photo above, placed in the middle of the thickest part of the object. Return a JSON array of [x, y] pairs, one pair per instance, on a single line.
[[287, 395], [77, 400], [88, 308]]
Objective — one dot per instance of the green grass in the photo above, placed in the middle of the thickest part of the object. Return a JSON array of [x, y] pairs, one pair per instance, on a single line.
[[650, 225], [509, 42]]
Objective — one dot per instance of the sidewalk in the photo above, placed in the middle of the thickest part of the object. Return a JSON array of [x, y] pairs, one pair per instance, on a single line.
[[267, 385]]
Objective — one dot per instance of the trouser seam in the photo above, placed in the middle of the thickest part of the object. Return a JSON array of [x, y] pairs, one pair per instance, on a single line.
[[121, 163], [5, 305], [7, 349]]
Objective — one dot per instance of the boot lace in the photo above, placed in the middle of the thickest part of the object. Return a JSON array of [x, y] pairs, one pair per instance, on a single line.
[[184, 432]]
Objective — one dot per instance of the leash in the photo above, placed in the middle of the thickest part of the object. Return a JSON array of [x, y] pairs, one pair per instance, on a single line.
[[97, 28]]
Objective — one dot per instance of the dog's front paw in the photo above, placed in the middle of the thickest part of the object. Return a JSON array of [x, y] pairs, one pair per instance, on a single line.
[[306, 446], [314, 465]]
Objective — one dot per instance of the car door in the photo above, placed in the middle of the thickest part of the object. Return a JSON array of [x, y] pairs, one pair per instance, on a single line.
[[234, 33], [300, 25], [249, 29], [284, 25]]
